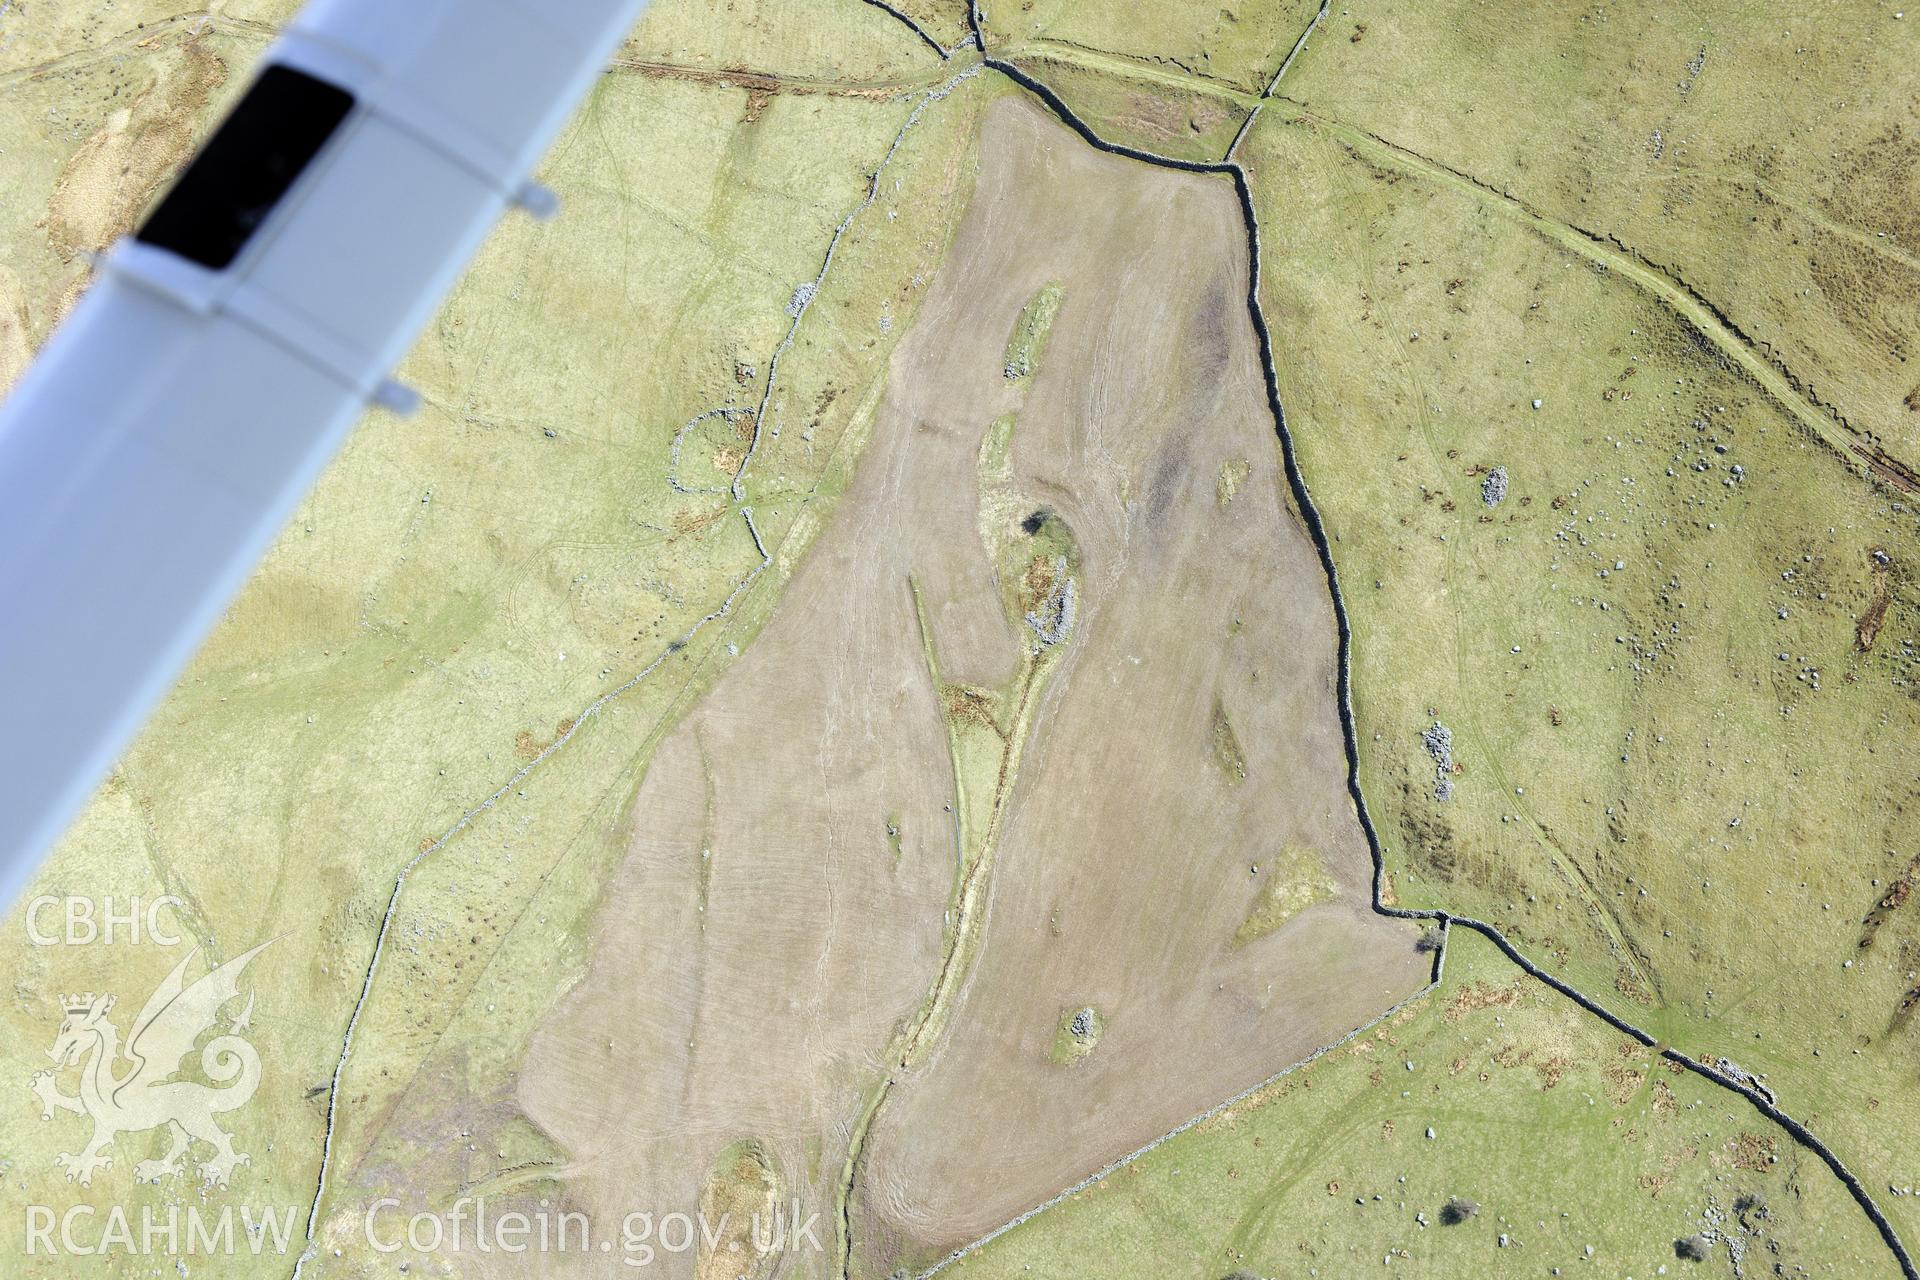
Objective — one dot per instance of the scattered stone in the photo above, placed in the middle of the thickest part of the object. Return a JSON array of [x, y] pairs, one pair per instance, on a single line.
[[1054, 618], [1438, 740], [1739, 1075]]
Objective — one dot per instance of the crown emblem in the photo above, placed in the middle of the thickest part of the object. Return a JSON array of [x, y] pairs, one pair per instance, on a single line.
[[80, 1003]]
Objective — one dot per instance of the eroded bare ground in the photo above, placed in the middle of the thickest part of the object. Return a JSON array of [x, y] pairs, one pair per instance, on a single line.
[[783, 913], [1133, 852]]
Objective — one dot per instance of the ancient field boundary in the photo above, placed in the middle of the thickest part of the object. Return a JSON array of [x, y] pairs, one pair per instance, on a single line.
[[725, 608], [120, 45], [804, 296], [1316, 529], [465, 820]]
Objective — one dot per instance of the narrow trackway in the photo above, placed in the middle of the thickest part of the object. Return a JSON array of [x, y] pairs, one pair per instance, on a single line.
[[127, 41], [1614, 255], [1602, 917], [1605, 249], [740, 505], [1876, 243], [1316, 529]]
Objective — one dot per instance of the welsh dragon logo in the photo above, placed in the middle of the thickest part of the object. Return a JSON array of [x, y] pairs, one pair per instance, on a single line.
[[141, 1095]]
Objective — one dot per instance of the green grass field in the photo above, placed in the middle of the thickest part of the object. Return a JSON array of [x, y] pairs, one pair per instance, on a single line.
[[1577, 1150], [411, 663], [1650, 798], [1657, 268], [1692, 135], [1682, 771]]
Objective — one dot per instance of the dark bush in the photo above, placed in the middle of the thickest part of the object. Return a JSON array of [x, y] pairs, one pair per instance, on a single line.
[[1456, 1211]]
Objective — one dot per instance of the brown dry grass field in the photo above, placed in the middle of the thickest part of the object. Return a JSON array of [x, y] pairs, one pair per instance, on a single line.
[[777, 915], [1130, 858]]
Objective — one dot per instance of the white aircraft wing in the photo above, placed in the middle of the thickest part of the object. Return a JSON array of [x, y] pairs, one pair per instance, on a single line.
[[171, 424]]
